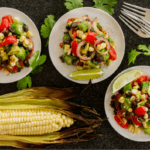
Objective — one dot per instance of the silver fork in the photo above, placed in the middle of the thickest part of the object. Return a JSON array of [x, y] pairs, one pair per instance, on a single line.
[[140, 12], [134, 21]]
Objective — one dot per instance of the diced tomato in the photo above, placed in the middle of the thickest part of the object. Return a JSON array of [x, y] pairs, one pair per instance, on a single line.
[[120, 122], [31, 53], [21, 63], [140, 111], [4, 24], [91, 37], [71, 19], [141, 79], [74, 34], [74, 47], [138, 123], [14, 68], [117, 100], [9, 18], [113, 54], [61, 44]]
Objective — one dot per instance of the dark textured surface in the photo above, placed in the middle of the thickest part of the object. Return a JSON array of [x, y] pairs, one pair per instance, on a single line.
[[37, 10]]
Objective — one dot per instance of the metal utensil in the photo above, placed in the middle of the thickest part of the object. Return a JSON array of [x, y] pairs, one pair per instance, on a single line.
[[136, 21]]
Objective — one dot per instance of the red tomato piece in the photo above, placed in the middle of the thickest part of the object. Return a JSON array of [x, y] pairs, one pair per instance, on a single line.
[[74, 47], [61, 44], [9, 18], [21, 63], [121, 122], [91, 37], [14, 68], [74, 35], [141, 79], [71, 19], [113, 54], [138, 123], [140, 110], [4, 24]]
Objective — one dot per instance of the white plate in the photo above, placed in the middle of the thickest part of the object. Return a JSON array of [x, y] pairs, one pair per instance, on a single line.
[[36, 40], [141, 137], [107, 22]]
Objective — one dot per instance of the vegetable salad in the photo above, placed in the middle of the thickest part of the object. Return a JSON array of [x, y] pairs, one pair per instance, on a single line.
[[86, 44], [16, 46], [132, 106]]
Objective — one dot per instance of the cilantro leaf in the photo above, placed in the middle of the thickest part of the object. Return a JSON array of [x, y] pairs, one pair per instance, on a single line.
[[37, 69], [47, 27], [72, 4], [106, 5], [24, 83], [144, 48], [34, 59], [132, 56], [41, 60]]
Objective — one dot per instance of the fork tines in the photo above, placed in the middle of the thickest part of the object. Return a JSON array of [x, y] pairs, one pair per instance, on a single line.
[[133, 18]]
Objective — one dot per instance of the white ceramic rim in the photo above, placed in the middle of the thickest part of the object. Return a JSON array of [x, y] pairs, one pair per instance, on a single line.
[[37, 38], [95, 80]]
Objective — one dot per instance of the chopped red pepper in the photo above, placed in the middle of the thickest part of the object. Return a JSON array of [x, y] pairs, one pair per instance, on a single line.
[[71, 19], [4, 24], [74, 35], [21, 63], [61, 45], [9, 18], [138, 123], [140, 111], [91, 37], [74, 47], [142, 79], [120, 122], [8, 40], [113, 54], [14, 68]]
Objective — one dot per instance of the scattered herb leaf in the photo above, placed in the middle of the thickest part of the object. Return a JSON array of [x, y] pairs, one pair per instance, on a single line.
[[132, 56], [145, 49], [106, 5], [24, 83], [72, 4], [47, 27], [37, 69]]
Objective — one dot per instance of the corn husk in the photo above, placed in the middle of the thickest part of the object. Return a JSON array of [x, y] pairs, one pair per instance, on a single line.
[[87, 118]]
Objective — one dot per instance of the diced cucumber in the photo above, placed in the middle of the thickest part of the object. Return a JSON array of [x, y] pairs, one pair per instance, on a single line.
[[83, 26], [21, 54], [145, 86]]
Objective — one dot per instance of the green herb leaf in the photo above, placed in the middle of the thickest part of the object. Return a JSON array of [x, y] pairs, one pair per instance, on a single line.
[[106, 5], [132, 56], [47, 27], [72, 4], [34, 59], [37, 69], [144, 48], [24, 83]]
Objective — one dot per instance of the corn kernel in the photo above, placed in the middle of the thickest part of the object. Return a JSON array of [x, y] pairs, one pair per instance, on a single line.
[[121, 99], [16, 19], [29, 34], [1, 36], [130, 110]]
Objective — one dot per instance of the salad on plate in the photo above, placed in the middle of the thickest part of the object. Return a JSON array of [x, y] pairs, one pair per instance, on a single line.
[[132, 106], [16, 46], [87, 45]]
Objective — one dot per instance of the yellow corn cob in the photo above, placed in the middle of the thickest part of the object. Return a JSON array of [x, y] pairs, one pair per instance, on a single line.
[[32, 122]]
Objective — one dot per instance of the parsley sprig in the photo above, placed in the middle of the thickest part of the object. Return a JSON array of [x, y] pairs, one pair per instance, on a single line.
[[142, 49], [72, 4], [106, 5], [46, 28], [36, 64]]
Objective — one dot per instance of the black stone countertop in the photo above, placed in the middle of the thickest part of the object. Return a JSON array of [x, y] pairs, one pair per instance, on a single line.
[[37, 10]]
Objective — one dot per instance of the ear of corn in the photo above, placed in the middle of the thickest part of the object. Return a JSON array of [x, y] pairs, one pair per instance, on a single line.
[[30, 121]]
